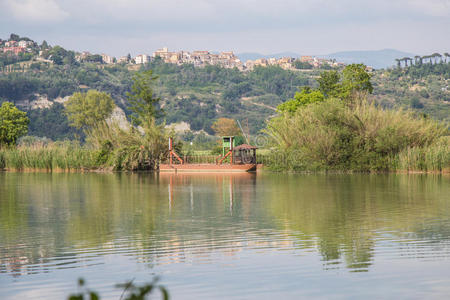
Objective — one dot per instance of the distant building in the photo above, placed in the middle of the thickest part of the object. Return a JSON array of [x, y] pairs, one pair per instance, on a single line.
[[123, 59], [82, 56], [142, 59], [307, 59], [16, 50], [107, 59], [10, 43], [24, 44]]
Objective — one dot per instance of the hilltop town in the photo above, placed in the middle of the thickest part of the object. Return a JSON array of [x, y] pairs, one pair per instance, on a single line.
[[25, 51], [225, 59]]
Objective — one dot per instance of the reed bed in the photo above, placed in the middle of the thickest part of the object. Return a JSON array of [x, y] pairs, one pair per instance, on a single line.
[[51, 158], [362, 137], [435, 158]]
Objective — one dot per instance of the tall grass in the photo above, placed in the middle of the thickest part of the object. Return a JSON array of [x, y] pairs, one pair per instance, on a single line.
[[331, 135], [54, 157], [435, 158], [129, 148], [108, 147]]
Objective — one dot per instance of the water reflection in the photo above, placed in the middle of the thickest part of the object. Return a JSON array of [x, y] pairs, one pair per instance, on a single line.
[[58, 221], [345, 216]]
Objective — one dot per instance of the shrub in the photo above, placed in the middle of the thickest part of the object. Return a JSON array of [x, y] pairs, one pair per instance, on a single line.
[[333, 135]]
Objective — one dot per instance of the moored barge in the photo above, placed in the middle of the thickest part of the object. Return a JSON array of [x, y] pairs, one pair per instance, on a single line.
[[241, 158]]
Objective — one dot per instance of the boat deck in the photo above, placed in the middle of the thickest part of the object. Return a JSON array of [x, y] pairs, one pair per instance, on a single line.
[[211, 168]]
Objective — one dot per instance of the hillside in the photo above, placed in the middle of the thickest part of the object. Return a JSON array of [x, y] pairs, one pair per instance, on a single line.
[[195, 96], [423, 87]]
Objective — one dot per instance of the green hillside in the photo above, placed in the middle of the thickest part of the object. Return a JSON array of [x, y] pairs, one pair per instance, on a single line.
[[197, 96]]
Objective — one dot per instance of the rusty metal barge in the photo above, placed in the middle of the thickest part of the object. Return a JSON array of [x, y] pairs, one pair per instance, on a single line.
[[234, 159]]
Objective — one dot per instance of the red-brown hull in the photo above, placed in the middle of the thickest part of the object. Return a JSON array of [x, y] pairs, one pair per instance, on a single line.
[[211, 168]]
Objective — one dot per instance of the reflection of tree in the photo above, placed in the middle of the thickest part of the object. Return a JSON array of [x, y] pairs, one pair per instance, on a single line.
[[71, 216], [347, 213], [167, 217], [58, 215]]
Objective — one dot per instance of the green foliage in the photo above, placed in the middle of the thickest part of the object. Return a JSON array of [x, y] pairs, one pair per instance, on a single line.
[[51, 123], [61, 56], [200, 95], [298, 64], [104, 154], [329, 82], [225, 127], [355, 79], [422, 87], [433, 158], [86, 110], [331, 135], [51, 157], [305, 97], [141, 98], [13, 124]]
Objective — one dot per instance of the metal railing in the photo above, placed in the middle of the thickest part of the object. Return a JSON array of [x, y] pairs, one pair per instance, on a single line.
[[213, 159]]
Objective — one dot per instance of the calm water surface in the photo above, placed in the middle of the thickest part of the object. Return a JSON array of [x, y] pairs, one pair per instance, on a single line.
[[226, 236]]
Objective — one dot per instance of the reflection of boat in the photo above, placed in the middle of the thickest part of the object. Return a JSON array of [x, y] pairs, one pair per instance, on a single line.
[[179, 183], [241, 158]]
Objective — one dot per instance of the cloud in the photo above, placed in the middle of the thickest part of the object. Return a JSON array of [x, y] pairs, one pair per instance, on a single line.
[[312, 26], [30, 11]]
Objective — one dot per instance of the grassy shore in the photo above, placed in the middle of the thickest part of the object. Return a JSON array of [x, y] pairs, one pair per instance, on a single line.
[[48, 158], [67, 158]]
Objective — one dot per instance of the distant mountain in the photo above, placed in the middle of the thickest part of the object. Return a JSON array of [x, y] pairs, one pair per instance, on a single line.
[[252, 56], [378, 59]]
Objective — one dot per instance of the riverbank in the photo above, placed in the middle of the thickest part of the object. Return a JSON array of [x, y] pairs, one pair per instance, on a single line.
[[72, 158]]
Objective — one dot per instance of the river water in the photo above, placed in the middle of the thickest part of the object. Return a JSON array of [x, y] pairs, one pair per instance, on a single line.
[[241, 236]]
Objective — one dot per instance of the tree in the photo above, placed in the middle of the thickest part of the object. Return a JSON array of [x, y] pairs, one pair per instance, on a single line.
[[298, 64], [86, 110], [57, 54], [14, 37], [44, 45], [13, 124], [418, 60], [143, 104], [328, 83], [305, 97], [355, 79], [225, 127]]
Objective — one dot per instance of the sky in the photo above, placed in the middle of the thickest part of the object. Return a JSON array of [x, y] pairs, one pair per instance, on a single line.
[[306, 27]]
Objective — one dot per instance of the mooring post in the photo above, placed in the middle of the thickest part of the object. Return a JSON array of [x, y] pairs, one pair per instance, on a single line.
[[170, 151]]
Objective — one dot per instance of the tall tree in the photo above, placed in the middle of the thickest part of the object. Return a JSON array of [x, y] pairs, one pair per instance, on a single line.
[[13, 124], [143, 103], [225, 127], [328, 82], [417, 60], [14, 37], [355, 79], [87, 110]]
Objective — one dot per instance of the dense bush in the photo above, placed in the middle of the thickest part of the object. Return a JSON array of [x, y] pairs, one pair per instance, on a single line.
[[330, 135]]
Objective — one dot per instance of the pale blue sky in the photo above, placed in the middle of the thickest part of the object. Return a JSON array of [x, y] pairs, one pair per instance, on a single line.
[[265, 26]]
